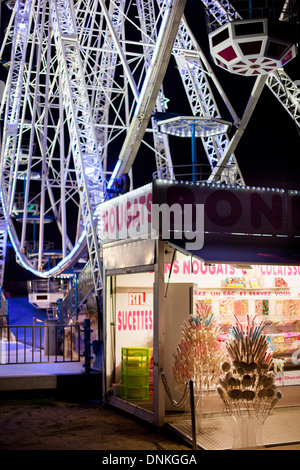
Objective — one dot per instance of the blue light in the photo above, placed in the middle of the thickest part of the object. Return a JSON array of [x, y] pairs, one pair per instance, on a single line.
[[114, 174]]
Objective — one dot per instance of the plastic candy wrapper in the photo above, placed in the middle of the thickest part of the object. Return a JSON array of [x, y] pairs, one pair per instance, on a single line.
[[278, 365], [235, 282], [280, 282]]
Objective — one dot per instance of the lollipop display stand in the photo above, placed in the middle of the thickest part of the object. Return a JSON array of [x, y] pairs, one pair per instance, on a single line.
[[247, 432], [199, 355], [247, 385], [198, 411]]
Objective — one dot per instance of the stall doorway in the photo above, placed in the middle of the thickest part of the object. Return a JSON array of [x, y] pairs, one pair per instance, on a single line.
[[130, 337]]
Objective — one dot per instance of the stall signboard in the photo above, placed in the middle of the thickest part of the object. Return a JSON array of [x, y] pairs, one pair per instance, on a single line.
[[126, 216], [233, 209], [287, 378], [215, 222], [212, 277], [224, 223]]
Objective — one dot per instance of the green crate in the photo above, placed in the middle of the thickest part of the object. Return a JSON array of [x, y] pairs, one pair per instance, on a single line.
[[135, 380], [135, 361], [135, 393], [135, 373], [135, 355]]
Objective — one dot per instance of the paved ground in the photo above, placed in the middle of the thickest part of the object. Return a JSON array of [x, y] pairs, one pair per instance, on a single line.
[[43, 423], [46, 424]]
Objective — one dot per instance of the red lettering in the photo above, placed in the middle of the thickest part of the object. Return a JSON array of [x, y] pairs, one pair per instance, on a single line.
[[149, 202], [129, 323], [203, 268], [135, 213], [112, 220], [119, 321], [150, 319], [212, 269], [142, 202], [219, 269], [176, 267], [195, 267], [186, 267], [119, 209], [105, 222], [128, 214], [259, 207]]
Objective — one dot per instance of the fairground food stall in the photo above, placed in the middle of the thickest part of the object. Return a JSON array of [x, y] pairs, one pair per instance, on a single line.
[[235, 252]]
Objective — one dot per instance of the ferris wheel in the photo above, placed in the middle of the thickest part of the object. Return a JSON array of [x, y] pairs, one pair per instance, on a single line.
[[84, 95]]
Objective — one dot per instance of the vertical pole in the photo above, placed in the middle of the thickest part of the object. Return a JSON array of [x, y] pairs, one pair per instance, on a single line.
[[250, 9], [87, 345], [33, 334], [194, 153], [193, 414], [159, 336], [76, 295]]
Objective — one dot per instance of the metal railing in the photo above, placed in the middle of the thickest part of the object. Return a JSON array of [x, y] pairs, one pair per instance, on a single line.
[[201, 174], [40, 344], [47, 285]]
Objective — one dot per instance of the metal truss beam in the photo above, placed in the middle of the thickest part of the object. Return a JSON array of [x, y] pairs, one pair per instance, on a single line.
[[152, 84], [287, 92], [9, 144], [81, 128]]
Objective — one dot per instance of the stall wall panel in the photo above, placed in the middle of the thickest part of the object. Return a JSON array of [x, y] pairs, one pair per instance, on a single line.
[[177, 310], [127, 255]]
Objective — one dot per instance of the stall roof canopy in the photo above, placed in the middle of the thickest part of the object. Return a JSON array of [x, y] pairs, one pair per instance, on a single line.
[[241, 252], [229, 224]]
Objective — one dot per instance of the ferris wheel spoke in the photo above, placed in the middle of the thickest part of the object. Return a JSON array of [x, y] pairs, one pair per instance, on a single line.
[[151, 86]]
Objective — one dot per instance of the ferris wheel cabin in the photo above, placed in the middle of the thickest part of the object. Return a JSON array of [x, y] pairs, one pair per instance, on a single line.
[[255, 37]]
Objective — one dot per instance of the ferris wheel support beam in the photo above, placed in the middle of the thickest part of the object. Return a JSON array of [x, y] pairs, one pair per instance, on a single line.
[[152, 84], [287, 92], [256, 92], [83, 137], [9, 144], [146, 12], [120, 51]]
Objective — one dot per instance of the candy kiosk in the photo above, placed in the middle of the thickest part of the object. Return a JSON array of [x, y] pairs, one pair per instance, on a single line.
[[202, 301]]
